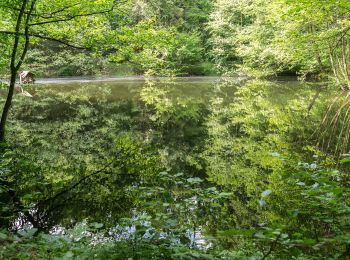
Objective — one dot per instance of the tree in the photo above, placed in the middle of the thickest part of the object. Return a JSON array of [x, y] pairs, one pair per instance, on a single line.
[[26, 22], [306, 37], [318, 32], [163, 37], [241, 36]]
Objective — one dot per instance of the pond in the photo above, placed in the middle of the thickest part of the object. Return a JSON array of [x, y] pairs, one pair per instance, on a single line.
[[73, 119], [121, 151]]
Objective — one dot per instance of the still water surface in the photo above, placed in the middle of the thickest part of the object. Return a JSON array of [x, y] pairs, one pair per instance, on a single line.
[[75, 125]]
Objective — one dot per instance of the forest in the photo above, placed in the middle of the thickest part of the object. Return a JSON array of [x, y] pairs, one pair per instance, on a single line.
[[175, 129]]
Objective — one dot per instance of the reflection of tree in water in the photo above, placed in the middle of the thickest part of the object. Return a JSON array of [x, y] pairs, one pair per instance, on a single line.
[[248, 136], [225, 132], [334, 130], [73, 131], [176, 115]]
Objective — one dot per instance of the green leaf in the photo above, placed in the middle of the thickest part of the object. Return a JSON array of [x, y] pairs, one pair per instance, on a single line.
[[27, 232], [195, 180], [266, 193], [96, 225], [3, 236], [345, 160]]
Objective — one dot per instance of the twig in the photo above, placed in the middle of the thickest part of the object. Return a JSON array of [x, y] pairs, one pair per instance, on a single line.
[[271, 247]]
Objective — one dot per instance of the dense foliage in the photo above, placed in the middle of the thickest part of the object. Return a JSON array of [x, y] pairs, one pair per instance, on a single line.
[[308, 38], [164, 168]]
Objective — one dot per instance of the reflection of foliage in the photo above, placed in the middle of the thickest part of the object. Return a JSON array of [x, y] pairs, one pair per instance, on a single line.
[[244, 134], [248, 131], [178, 122], [85, 190], [161, 173], [177, 204]]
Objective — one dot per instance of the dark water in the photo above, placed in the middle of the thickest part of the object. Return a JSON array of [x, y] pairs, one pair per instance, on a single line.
[[68, 120]]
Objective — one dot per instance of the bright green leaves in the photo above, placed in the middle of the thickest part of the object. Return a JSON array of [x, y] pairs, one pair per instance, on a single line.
[[242, 37], [260, 38], [146, 46], [158, 39], [66, 23], [317, 206], [80, 23], [157, 50]]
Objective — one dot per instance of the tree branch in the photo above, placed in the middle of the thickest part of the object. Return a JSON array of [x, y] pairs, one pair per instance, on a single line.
[[43, 15], [16, 33], [64, 191], [26, 34], [69, 18], [272, 247], [64, 8], [49, 39]]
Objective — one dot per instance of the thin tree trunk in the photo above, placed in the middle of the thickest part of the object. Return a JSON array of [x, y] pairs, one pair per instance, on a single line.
[[336, 74], [345, 62], [13, 66], [319, 61], [341, 68], [317, 51]]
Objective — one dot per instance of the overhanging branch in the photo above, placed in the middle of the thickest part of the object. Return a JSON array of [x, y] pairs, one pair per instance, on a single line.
[[56, 13], [69, 18], [64, 8], [44, 16], [61, 41]]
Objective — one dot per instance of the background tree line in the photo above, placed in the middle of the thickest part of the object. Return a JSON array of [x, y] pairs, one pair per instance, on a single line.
[[308, 38]]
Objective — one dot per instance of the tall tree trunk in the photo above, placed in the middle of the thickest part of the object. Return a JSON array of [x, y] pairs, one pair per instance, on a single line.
[[14, 68]]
